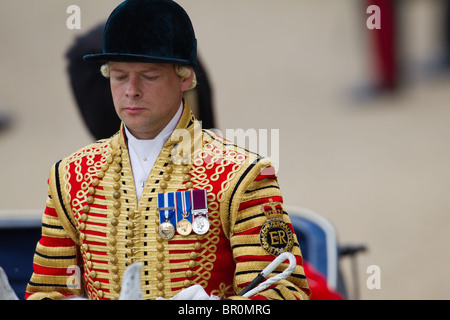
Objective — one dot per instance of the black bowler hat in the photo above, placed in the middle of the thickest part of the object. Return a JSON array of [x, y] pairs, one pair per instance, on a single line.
[[148, 31]]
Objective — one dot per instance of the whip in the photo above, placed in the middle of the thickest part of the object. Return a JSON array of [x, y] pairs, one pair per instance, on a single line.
[[250, 290]]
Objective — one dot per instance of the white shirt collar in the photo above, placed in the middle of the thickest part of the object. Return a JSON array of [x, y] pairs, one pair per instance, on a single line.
[[143, 153]]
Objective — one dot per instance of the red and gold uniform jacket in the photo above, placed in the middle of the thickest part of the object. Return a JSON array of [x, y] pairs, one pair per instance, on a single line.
[[93, 227]]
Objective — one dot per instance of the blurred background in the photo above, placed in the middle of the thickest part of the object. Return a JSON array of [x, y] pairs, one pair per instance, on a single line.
[[363, 116]]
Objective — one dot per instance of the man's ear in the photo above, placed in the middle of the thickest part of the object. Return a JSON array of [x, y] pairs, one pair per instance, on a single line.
[[187, 82]]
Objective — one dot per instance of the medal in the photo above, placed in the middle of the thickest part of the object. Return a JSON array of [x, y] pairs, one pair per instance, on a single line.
[[184, 227], [166, 230], [200, 222], [183, 199], [187, 210], [200, 225], [166, 209]]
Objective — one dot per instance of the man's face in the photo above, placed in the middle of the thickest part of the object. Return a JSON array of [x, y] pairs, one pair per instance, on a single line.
[[146, 95]]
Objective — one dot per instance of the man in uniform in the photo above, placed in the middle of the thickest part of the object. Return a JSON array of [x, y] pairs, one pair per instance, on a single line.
[[193, 208]]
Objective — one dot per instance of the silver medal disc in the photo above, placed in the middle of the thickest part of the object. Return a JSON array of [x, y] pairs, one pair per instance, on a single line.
[[166, 230], [200, 225]]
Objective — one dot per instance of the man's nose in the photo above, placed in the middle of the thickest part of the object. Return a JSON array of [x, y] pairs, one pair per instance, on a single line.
[[133, 88]]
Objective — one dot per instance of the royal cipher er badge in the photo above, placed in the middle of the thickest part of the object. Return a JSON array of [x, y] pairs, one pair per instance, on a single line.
[[276, 236]]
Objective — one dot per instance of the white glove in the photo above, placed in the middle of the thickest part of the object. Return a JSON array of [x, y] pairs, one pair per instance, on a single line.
[[195, 292], [6, 291]]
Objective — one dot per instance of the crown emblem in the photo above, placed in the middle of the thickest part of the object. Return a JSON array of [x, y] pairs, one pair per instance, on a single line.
[[276, 235], [272, 209]]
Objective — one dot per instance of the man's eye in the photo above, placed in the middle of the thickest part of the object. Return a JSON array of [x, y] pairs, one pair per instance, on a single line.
[[150, 78]]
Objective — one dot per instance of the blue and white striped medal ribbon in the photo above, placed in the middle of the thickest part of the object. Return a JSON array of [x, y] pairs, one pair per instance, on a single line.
[[184, 218], [166, 209]]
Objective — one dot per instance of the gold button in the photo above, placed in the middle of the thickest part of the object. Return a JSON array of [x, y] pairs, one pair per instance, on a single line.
[[109, 160], [95, 182], [113, 147], [116, 195], [189, 273], [112, 241], [185, 169], [113, 250], [192, 264], [84, 217], [160, 257], [91, 190], [161, 294], [116, 278], [160, 276], [130, 233], [116, 204], [86, 208], [82, 226], [194, 255], [129, 252], [114, 222], [85, 247], [118, 159], [116, 177], [113, 231], [130, 225], [97, 284], [116, 288], [114, 269], [90, 199], [117, 168], [113, 259], [82, 236], [88, 256], [160, 247], [160, 286], [163, 185], [101, 174], [189, 185], [93, 274], [187, 283], [89, 264], [169, 169], [100, 294], [186, 178], [166, 177], [105, 167], [116, 185], [116, 212], [129, 243], [159, 266]]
